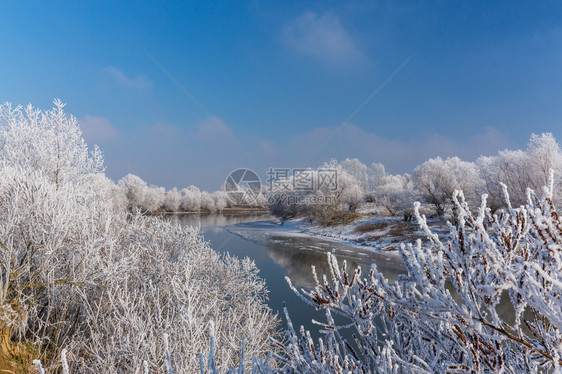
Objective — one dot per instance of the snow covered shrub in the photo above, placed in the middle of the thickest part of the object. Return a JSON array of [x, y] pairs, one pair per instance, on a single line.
[[78, 271], [164, 278], [488, 300]]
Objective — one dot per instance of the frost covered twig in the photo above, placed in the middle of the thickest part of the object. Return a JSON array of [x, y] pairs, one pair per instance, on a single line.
[[487, 300]]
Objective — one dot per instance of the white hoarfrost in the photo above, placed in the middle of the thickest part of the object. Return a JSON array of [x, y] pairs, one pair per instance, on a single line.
[[487, 301], [395, 193], [437, 179], [82, 277], [97, 289], [520, 170]]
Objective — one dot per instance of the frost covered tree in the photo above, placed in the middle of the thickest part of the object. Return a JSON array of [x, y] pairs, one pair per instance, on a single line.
[[329, 201], [488, 167], [140, 195], [172, 200], [358, 170], [154, 198], [512, 169], [221, 200], [79, 272], [207, 202], [395, 193], [284, 200], [522, 169], [322, 202], [151, 199], [348, 192], [190, 199], [437, 179], [58, 148], [544, 157], [116, 195], [375, 175]]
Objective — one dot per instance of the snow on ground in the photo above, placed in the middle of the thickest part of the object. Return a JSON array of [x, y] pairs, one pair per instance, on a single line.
[[384, 233]]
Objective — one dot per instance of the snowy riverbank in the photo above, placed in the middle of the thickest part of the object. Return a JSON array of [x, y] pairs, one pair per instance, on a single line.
[[384, 234]]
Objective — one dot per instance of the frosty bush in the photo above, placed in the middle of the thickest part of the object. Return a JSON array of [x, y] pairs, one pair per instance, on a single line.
[[520, 170], [488, 300], [77, 271], [395, 193], [437, 179], [152, 199]]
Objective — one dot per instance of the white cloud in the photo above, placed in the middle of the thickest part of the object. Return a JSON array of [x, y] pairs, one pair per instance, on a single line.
[[140, 82], [97, 129], [322, 37]]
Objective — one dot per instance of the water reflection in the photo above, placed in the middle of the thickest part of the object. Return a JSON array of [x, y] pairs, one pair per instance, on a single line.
[[298, 254], [216, 220], [295, 252]]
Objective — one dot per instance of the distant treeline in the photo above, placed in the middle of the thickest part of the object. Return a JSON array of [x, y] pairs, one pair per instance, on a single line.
[[432, 183]]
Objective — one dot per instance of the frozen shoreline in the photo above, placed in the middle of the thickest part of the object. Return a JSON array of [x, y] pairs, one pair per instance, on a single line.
[[382, 234], [294, 241]]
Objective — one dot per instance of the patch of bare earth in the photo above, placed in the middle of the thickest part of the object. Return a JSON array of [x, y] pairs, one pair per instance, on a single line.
[[368, 227], [343, 218], [392, 232]]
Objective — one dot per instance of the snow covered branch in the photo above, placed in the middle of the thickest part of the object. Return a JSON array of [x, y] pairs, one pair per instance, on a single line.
[[487, 300]]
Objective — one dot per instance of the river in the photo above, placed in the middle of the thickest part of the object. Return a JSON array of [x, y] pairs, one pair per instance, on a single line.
[[279, 252]]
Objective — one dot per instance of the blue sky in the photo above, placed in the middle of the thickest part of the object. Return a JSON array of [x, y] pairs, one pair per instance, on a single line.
[[281, 78]]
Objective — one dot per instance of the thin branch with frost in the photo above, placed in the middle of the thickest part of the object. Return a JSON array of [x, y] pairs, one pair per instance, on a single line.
[[487, 300]]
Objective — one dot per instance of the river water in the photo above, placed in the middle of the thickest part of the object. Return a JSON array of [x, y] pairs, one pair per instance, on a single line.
[[279, 252]]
